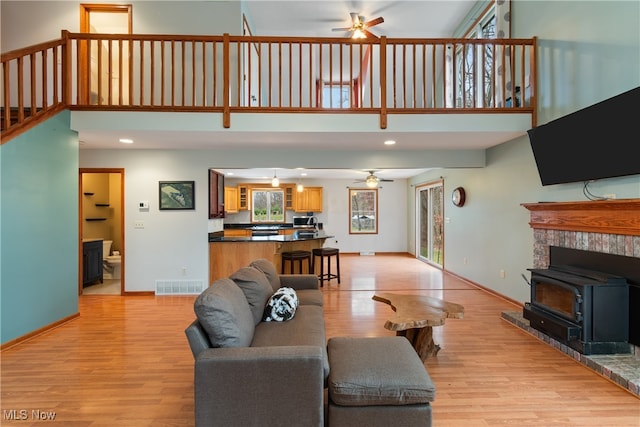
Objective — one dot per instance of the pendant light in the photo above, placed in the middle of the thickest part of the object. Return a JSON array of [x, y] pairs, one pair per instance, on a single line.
[[275, 182]]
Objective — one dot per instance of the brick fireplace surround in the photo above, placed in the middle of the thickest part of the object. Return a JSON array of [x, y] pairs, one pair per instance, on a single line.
[[608, 226]]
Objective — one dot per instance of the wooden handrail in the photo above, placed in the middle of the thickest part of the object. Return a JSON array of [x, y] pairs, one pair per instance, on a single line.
[[236, 74]]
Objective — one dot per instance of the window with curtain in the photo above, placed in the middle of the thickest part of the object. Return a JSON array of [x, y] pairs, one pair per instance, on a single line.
[[363, 211]]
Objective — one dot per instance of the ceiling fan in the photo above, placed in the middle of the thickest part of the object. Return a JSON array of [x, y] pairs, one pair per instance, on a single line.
[[372, 181], [360, 28]]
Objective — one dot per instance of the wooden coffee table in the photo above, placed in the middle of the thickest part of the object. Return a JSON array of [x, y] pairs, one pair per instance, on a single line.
[[415, 316]]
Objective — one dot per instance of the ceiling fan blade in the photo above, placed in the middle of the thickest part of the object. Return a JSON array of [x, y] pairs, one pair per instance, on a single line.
[[369, 34], [378, 20], [354, 18]]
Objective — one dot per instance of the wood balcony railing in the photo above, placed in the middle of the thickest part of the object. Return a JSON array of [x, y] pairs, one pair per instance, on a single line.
[[236, 74]]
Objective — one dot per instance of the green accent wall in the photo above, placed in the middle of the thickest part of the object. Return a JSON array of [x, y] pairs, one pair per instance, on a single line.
[[38, 228]]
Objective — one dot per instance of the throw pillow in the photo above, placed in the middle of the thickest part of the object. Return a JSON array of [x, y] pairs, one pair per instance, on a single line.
[[224, 313], [281, 306], [269, 271], [256, 288]]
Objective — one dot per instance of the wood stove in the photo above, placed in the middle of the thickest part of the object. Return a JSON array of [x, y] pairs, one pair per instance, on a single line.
[[585, 309]]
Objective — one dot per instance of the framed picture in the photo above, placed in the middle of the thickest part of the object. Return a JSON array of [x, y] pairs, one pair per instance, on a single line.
[[363, 211], [177, 195]]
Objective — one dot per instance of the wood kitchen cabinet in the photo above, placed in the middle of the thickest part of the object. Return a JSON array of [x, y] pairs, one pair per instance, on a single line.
[[309, 200], [243, 197], [231, 199], [216, 194], [289, 200]]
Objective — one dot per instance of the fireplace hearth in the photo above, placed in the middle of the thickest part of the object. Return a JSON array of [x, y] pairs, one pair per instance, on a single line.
[[587, 310]]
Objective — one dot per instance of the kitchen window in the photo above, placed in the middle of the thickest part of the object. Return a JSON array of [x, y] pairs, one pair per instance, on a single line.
[[267, 205]]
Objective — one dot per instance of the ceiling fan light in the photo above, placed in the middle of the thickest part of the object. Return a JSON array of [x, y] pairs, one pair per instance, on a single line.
[[358, 34], [371, 181]]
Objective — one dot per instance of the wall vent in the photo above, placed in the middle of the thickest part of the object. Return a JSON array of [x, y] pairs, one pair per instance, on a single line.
[[179, 287], [367, 253]]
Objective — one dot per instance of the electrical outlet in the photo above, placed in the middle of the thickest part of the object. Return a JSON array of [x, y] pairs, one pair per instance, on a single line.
[[502, 274]]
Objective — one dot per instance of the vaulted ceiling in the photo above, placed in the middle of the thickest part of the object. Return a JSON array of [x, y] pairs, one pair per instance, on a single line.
[[402, 19]]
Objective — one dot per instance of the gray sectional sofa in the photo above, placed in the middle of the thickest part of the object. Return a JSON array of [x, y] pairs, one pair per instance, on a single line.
[[251, 372]]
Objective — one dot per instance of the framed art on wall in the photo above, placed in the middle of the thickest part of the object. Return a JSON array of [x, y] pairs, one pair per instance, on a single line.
[[177, 195]]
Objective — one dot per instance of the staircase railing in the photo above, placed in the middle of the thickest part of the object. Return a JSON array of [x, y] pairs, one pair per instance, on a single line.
[[237, 74]]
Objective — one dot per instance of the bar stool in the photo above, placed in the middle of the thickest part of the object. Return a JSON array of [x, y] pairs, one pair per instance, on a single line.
[[296, 256], [327, 253]]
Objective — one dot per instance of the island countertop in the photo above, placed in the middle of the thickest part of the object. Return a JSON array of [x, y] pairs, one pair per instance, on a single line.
[[215, 237], [228, 254]]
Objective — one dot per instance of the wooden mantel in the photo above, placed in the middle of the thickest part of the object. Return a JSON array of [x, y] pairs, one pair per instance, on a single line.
[[621, 216]]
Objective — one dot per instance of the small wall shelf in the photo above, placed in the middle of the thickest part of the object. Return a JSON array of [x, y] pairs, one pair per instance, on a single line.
[[95, 219]]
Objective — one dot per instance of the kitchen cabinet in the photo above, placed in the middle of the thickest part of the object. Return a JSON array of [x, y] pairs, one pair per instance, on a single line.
[[243, 197], [309, 200], [216, 194], [91, 262], [237, 232], [231, 199], [288, 197]]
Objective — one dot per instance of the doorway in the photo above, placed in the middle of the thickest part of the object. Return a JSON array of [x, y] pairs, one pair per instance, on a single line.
[[101, 217], [105, 79], [430, 223]]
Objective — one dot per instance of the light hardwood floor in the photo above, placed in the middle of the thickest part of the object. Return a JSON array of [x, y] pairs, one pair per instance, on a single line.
[[126, 362]]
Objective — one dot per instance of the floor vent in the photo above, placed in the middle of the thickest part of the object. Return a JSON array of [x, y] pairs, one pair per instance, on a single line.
[[367, 253], [179, 287]]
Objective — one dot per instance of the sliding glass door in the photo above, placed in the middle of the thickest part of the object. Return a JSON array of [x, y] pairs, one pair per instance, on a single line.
[[429, 223]]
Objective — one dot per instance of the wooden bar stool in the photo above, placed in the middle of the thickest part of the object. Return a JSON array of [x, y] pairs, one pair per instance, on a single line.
[[327, 253], [296, 256]]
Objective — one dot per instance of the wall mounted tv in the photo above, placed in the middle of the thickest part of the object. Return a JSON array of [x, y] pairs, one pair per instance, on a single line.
[[600, 141]]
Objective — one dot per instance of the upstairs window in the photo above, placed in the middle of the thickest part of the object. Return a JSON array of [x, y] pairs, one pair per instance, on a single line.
[[336, 95]]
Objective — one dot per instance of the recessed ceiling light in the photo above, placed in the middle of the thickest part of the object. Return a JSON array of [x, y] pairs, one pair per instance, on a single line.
[[126, 140], [389, 142], [229, 173]]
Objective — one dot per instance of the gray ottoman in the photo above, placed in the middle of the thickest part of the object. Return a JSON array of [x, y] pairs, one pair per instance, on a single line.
[[377, 381]]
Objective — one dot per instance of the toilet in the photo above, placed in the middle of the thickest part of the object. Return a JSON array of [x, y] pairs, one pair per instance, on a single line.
[[110, 263]]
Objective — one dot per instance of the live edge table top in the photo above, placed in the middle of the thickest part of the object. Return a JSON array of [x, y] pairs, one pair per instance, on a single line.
[[416, 311], [415, 316]]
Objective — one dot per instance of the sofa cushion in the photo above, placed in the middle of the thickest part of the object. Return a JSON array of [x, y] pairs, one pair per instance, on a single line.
[[224, 313], [269, 271], [377, 371], [306, 328], [256, 289], [281, 306]]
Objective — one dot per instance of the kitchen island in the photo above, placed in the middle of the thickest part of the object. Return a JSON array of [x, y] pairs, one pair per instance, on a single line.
[[228, 254]]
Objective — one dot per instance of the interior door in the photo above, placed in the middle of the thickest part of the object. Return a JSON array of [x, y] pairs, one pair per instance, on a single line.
[[430, 223], [105, 79]]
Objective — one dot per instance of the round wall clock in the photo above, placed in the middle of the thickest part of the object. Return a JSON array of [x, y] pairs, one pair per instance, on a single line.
[[458, 196]]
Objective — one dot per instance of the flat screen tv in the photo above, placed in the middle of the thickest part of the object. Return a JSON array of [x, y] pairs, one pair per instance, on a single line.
[[600, 141]]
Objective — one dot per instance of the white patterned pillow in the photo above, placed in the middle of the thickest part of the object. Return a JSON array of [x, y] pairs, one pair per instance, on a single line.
[[281, 306]]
